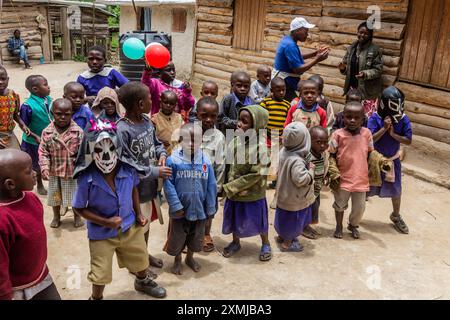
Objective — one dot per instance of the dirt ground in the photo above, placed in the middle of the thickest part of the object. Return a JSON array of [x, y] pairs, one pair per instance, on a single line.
[[383, 264]]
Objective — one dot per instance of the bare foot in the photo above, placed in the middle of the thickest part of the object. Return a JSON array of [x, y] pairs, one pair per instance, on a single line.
[[191, 263], [177, 269], [338, 233], [56, 222], [41, 191], [78, 222], [155, 262], [64, 211]]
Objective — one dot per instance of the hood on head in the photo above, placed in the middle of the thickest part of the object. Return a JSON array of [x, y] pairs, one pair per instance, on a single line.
[[296, 139], [259, 115], [109, 93]]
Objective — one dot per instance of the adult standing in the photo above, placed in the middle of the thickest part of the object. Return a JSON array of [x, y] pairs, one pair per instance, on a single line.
[[363, 65], [289, 62], [17, 47]]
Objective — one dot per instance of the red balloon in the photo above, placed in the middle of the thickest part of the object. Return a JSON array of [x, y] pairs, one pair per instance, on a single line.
[[157, 56]]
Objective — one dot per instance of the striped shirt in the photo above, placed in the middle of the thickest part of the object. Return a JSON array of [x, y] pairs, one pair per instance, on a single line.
[[278, 111], [319, 173]]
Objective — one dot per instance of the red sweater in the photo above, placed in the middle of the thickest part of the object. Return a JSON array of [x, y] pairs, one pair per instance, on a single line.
[[23, 245], [294, 106]]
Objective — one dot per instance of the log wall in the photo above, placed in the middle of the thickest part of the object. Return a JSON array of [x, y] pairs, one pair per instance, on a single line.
[[336, 21], [20, 16]]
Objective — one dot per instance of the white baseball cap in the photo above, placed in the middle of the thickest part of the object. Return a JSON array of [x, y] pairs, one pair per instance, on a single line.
[[300, 22]]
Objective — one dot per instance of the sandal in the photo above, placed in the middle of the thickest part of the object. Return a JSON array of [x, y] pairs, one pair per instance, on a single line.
[[309, 233], [354, 231], [295, 246], [266, 253], [399, 224], [208, 244], [231, 249]]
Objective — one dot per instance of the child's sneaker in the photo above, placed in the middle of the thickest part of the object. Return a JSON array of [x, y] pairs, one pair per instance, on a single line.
[[399, 224], [150, 287]]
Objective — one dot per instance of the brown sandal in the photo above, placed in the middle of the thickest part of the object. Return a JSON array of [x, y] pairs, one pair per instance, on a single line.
[[208, 244]]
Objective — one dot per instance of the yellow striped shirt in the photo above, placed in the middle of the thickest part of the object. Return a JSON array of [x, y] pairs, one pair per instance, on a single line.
[[278, 111]]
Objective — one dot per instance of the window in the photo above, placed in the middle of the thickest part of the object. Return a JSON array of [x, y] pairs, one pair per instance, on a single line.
[[249, 23], [179, 20], [145, 19]]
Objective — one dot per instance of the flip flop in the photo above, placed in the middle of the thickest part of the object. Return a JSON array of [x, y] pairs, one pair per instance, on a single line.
[[266, 253], [295, 246], [208, 244], [309, 234], [231, 249], [354, 231]]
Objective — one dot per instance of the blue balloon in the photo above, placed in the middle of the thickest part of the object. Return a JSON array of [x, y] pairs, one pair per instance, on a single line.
[[133, 48]]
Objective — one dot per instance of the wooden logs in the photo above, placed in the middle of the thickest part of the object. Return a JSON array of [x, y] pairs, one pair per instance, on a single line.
[[425, 95]]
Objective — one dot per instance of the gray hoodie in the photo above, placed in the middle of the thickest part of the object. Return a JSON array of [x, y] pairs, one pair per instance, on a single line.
[[295, 190]]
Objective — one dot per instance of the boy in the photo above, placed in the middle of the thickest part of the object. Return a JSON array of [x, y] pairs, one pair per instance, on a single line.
[[35, 113], [82, 114], [57, 154], [191, 194], [209, 89], [306, 109], [233, 102], [213, 145], [24, 273], [142, 150], [323, 102], [319, 157], [157, 85], [167, 121], [98, 76], [260, 88], [350, 147], [278, 109], [107, 197]]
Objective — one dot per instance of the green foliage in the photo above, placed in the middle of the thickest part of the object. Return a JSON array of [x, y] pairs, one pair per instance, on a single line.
[[79, 58], [114, 21]]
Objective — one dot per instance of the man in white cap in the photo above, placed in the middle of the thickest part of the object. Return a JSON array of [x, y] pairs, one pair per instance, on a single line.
[[289, 62]]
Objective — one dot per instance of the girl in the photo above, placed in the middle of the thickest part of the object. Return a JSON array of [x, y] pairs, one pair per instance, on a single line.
[[245, 211], [9, 112], [295, 192], [106, 106], [98, 76], [390, 128]]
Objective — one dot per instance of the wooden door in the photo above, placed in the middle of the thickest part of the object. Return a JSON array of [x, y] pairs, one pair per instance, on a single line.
[[426, 54]]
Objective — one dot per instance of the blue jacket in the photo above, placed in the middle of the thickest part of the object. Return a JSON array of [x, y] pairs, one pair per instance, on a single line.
[[192, 186]]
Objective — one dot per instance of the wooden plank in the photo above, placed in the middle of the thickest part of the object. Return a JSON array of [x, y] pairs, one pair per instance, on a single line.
[[441, 68], [425, 95], [418, 108], [65, 41], [361, 14], [431, 132]]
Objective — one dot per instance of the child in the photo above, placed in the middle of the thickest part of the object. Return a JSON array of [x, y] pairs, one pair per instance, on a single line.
[[35, 113], [306, 109], [107, 197], [390, 128], [245, 211], [260, 88], [352, 95], [82, 114], [167, 121], [209, 89], [142, 150], [106, 105], [58, 151], [157, 85], [98, 76], [319, 158], [278, 109], [213, 146], [233, 102], [9, 112], [24, 274], [350, 147], [295, 191], [191, 194], [323, 102]]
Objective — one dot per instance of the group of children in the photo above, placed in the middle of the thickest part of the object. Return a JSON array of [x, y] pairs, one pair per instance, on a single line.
[[109, 146]]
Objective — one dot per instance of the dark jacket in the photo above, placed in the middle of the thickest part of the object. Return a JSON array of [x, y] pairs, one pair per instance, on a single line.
[[371, 63], [229, 111]]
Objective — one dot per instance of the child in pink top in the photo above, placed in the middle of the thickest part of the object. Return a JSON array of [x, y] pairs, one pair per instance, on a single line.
[[351, 146], [158, 85]]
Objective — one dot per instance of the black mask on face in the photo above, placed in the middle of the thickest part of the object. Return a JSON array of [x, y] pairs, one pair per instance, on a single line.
[[392, 104]]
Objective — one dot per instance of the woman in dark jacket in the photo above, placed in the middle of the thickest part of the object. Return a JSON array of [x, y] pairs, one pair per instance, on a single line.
[[363, 65]]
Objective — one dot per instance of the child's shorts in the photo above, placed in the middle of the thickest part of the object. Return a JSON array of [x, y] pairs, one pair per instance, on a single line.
[[341, 199], [130, 249], [60, 191], [184, 233]]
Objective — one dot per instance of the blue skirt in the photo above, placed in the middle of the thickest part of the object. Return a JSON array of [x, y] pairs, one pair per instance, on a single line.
[[32, 151], [389, 189], [290, 224], [245, 219]]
